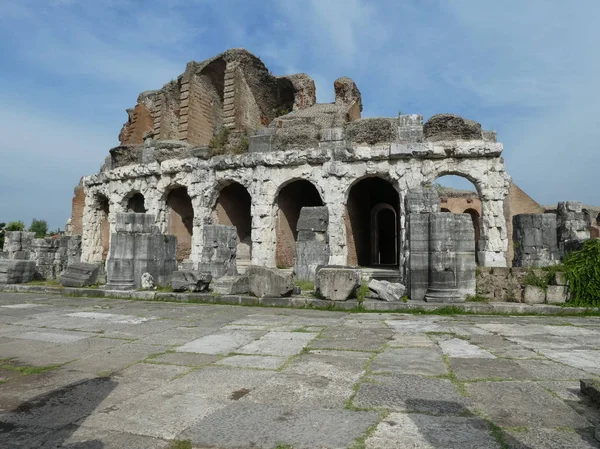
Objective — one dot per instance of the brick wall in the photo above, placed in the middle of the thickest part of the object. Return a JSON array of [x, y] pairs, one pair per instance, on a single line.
[[247, 113], [140, 122], [166, 112], [201, 107], [77, 206]]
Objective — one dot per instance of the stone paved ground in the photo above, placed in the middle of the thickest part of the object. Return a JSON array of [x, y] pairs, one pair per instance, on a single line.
[[136, 375]]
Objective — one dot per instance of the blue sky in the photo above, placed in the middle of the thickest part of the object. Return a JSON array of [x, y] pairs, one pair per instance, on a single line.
[[527, 69]]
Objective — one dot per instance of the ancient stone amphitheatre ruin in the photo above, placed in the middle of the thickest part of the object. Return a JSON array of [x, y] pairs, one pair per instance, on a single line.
[[229, 167]]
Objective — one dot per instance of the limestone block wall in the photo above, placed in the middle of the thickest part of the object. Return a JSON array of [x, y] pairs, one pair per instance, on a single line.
[[332, 168]]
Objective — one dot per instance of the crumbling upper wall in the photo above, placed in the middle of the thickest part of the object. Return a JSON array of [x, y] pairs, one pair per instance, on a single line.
[[233, 89]]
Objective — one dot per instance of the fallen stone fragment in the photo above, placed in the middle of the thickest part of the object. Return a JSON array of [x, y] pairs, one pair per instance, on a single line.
[[148, 282], [269, 282], [387, 291], [231, 285], [337, 283], [191, 281], [80, 275]]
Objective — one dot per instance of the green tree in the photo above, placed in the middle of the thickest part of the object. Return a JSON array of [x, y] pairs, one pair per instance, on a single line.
[[40, 227], [15, 226]]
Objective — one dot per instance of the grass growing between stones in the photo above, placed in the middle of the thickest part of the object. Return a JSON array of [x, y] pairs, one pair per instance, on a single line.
[[477, 298], [180, 444], [26, 370], [361, 442], [48, 283], [498, 434], [305, 285], [451, 376]]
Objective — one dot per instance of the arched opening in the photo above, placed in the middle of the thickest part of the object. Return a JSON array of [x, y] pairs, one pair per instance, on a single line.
[[598, 220], [461, 196], [181, 220], [136, 203], [293, 197], [233, 209], [372, 212], [103, 211]]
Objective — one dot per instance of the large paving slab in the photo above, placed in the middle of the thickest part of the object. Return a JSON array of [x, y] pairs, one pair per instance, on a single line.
[[523, 404], [410, 393], [427, 361], [431, 432], [266, 426], [106, 374]]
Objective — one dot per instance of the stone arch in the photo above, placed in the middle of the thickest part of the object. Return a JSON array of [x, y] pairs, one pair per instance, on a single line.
[[180, 219], [233, 208], [460, 201], [290, 198], [135, 202], [370, 244]]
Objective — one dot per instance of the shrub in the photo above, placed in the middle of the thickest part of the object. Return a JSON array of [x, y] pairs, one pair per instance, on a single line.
[[533, 279], [362, 292], [15, 226], [40, 227], [219, 141], [582, 269]]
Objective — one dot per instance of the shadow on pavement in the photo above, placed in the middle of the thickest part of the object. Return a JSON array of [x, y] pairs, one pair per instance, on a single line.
[[49, 420], [457, 432]]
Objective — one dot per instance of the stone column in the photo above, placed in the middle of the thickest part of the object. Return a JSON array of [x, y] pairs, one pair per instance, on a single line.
[[264, 220], [312, 248], [493, 241]]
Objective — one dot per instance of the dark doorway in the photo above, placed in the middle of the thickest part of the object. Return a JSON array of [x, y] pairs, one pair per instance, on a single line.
[[136, 204], [372, 212]]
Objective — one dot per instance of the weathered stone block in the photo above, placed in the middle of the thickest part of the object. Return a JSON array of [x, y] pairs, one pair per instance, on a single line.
[[387, 291], [269, 282], [131, 222], [16, 271], [337, 284], [560, 278], [557, 294], [134, 252], [422, 200], [231, 285], [192, 281], [533, 295], [312, 248], [313, 219], [219, 253], [80, 275]]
